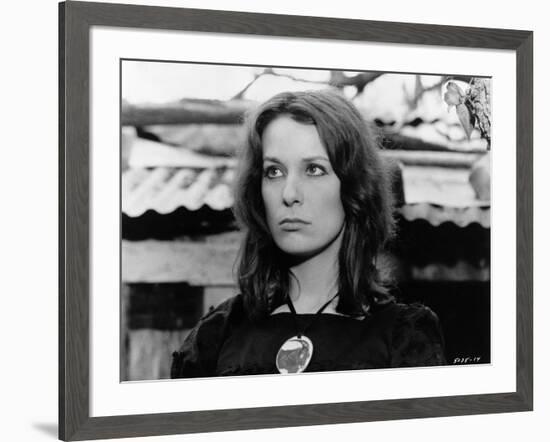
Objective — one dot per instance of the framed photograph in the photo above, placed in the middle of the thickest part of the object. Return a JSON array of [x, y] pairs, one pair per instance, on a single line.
[[271, 221]]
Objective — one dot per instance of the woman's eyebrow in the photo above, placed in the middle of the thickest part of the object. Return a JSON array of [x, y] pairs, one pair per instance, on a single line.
[[315, 158], [273, 160], [304, 160]]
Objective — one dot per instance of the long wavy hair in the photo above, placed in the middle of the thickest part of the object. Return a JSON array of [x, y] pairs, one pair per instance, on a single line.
[[365, 190]]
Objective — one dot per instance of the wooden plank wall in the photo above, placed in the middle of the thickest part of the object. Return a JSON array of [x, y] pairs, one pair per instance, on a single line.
[[150, 352], [146, 351], [199, 263], [205, 264]]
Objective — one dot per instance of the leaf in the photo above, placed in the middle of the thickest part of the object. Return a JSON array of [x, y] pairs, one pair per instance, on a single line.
[[454, 95], [465, 118], [453, 87]]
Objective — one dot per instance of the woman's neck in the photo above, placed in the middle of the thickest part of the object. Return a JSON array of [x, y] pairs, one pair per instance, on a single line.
[[315, 280]]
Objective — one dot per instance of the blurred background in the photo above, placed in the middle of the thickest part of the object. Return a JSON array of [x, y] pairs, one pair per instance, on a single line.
[[180, 134]]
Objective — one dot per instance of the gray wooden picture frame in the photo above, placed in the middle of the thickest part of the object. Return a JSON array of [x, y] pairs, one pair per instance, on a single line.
[[75, 21]]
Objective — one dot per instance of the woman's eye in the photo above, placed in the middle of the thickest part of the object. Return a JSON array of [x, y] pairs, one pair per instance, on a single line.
[[272, 172], [315, 170]]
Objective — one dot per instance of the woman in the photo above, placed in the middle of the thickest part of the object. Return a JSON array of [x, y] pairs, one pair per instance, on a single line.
[[315, 203]]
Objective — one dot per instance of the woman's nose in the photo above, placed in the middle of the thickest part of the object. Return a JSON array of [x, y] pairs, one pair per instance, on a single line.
[[292, 192]]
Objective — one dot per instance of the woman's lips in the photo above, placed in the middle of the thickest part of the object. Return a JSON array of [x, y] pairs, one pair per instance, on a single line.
[[292, 224]]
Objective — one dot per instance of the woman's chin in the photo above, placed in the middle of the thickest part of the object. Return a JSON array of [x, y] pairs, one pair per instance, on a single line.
[[299, 250], [301, 247]]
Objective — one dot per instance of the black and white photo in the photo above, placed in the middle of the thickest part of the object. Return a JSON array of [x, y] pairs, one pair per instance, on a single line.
[[287, 220]]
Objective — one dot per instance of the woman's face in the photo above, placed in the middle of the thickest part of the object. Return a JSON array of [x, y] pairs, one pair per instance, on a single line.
[[300, 190]]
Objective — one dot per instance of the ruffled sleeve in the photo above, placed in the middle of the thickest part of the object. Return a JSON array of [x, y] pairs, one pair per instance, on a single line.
[[417, 338], [198, 355]]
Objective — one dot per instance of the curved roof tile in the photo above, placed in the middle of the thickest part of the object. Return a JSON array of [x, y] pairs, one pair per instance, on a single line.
[[164, 190]]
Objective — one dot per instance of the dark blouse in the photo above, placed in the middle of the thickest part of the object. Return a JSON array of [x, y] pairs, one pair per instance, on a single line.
[[226, 343]]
